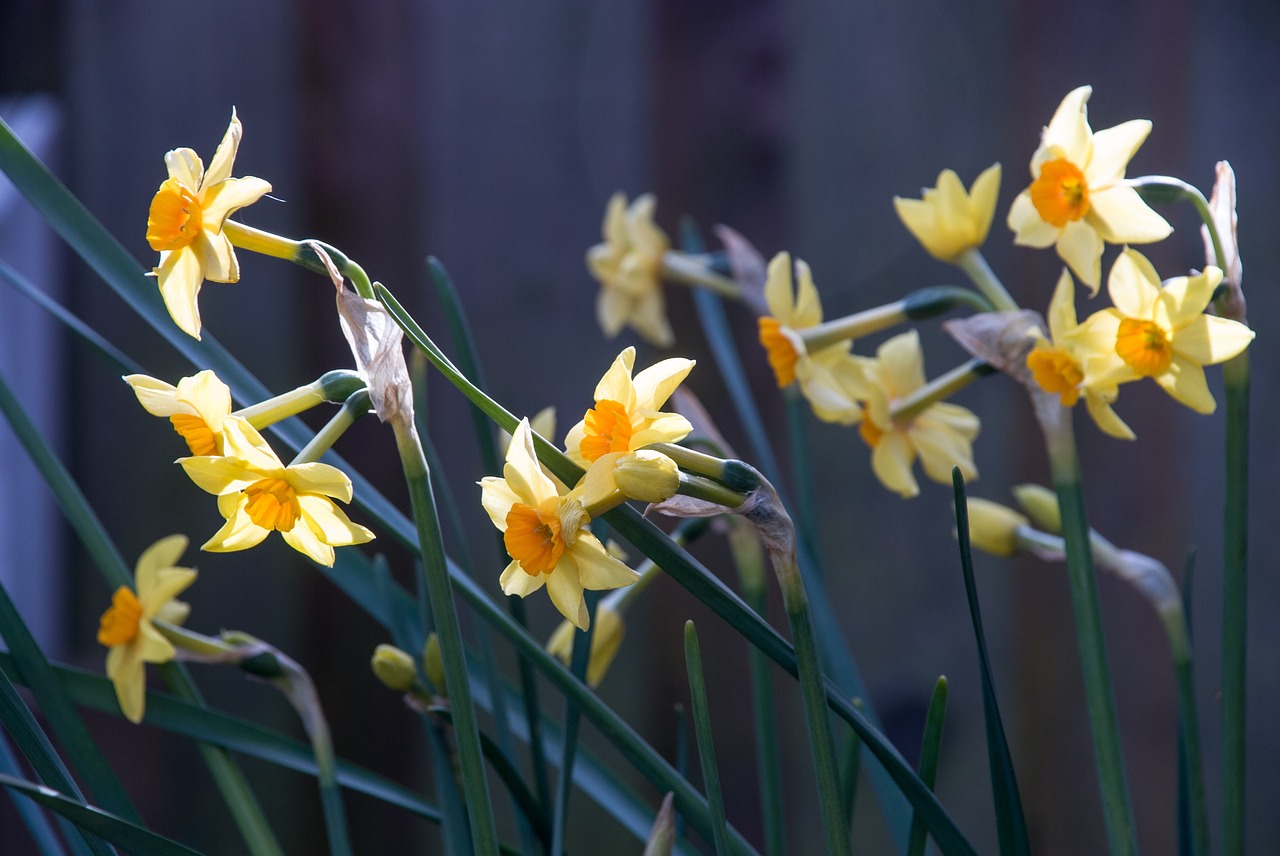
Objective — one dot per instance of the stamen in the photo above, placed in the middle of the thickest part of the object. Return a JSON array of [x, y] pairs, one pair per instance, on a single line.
[[533, 538], [119, 624], [1144, 347], [607, 428], [782, 353], [175, 217], [1061, 193], [273, 504], [1055, 371], [199, 436]]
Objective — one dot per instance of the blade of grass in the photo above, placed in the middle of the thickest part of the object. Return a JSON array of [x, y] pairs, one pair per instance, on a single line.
[[1235, 603], [1011, 824], [37, 824], [703, 738]]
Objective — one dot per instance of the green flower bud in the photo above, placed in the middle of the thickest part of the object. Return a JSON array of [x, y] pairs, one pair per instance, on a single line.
[[647, 475], [1041, 505], [993, 528], [394, 667]]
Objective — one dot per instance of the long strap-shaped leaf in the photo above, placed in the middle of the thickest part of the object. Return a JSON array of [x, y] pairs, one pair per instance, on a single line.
[[105, 825]]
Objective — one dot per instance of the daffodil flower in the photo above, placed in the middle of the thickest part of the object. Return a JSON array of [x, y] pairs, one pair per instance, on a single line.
[[546, 534], [196, 407], [948, 221], [629, 265], [1162, 332], [1063, 365], [257, 494], [1078, 198], [126, 627], [830, 377], [628, 414], [185, 225], [942, 434]]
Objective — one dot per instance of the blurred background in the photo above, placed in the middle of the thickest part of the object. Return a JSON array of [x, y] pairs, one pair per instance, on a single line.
[[490, 134]]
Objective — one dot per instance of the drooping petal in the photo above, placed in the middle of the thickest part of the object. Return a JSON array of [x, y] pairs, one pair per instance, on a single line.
[[330, 523], [566, 592], [1121, 217], [1112, 151], [305, 540], [649, 319], [891, 461], [1080, 246], [808, 308], [1185, 381], [239, 532], [224, 199], [664, 428], [217, 257], [129, 678], [1105, 417], [612, 310], [515, 581], [150, 646], [320, 478], [180, 276], [597, 570], [219, 474]]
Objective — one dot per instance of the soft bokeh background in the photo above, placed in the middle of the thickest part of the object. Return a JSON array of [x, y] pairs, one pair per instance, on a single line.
[[490, 134]]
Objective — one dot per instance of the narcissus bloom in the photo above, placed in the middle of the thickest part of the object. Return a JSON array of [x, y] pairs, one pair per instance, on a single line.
[[942, 434], [196, 407], [629, 265], [547, 535], [1066, 366], [948, 221], [185, 225], [830, 377], [1078, 198], [628, 413], [126, 627], [258, 494], [1162, 332]]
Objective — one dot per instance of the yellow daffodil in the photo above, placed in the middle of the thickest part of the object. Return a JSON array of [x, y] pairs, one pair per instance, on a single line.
[[185, 225], [629, 265], [605, 642], [127, 628], [196, 407], [1065, 366], [1162, 332], [547, 535], [948, 221], [830, 377], [257, 494], [1078, 198], [941, 434], [628, 414]]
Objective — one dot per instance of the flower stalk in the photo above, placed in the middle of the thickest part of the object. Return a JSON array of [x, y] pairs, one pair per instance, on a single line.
[[940, 388], [684, 269], [975, 266], [356, 405]]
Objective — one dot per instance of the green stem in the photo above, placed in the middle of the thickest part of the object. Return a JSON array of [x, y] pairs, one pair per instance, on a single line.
[[435, 594], [1176, 629], [703, 737], [972, 262], [930, 747], [940, 388], [681, 268], [762, 694], [1235, 375], [356, 405], [1100, 698]]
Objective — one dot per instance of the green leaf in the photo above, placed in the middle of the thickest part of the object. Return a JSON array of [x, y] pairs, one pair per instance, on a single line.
[[105, 825], [703, 737], [930, 746]]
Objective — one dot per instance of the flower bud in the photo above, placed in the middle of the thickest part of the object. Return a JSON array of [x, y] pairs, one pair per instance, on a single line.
[[393, 667], [433, 663], [647, 476], [1041, 505], [604, 643], [993, 528]]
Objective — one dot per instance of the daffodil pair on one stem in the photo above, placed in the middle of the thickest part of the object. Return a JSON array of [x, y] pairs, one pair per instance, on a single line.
[[127, 627], [257, 493], [1152, 330]]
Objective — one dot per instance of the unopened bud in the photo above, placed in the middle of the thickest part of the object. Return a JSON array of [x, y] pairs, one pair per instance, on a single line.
[[1041, 505], [394, 667], [433, 663], [993, 528], [647, 475]]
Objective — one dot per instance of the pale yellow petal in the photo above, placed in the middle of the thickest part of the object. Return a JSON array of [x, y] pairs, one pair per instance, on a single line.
[[649, 318], [330, 523], [1133, 285], [225, 155], [1030, 229], [1185, 297], [218, 474], [654, 385], [1062, 308], [1112, 151], [129, 678], [303, 539], [523, 475], [150, 646], [566, 592], [597, 570], [901, 364], [1105, 417], [320, 478], [168, 583], [612, 309], [515, 581], [156, 397], [778, 293], [241, 440], [1185, 381], [983, 197], [180, 276], [1068, 130], [162, 554], [891, 462], [1121, 217], [1210, 340], [224, 199], [664, 428], [497, 498], [185, 165], [808, 309], [206, 396], [239, 532], [1080, 246], [616, 385], [941, 448], [217, 257]]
